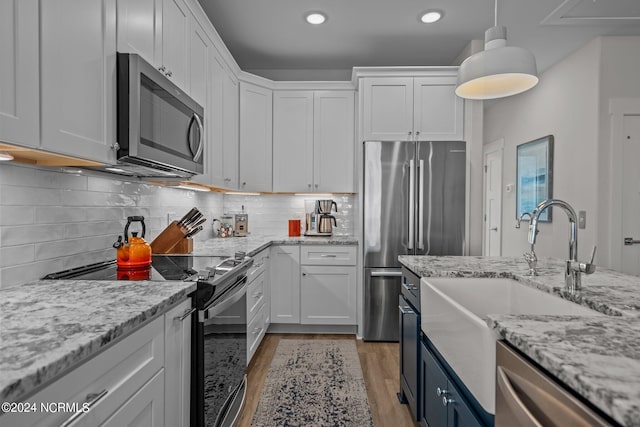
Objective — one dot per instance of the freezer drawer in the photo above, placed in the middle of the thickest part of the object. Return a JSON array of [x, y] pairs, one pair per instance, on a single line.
[[381, 292]]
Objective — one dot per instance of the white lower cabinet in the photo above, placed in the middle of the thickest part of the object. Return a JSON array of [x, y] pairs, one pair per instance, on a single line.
[[328, 295], [313, 284], [177, 365], [285, 284], [126, 385], [258, 302], [328, 285]]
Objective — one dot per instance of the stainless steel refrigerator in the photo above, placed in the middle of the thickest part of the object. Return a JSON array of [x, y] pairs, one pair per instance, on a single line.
[[414, 204]]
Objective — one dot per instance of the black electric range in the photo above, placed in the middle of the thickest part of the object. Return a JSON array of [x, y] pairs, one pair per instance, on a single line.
[[163, 268]]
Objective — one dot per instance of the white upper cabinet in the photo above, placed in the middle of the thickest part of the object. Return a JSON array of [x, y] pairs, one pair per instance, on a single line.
[[292, 141], [437, 111], [408, 108], [388, 108], [176, 18], [78, 77], [313, 141], [140, 29], [230, 130], [333, 141], [222, 124], [199, 74], [19, 108], [256, 116]]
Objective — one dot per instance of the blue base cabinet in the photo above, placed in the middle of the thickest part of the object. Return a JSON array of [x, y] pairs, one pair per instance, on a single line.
[[442, 405]]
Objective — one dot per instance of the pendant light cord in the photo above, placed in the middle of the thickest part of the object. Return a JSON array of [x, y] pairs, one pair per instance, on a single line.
[[496, 14]]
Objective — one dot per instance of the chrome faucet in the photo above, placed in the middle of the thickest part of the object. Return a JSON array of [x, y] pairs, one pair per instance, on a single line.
[[573, 267], [530, 257]]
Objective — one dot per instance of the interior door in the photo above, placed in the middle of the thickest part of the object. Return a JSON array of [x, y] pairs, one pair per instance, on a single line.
[[493, 199], [631, 195], [387, 231]]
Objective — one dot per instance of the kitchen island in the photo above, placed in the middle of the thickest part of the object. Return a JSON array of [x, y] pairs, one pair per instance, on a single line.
[[596, 356]]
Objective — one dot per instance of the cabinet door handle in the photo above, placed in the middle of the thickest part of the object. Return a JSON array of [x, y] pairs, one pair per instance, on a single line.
[[91, 400], [386, 274], [185, 315], [328, 255]]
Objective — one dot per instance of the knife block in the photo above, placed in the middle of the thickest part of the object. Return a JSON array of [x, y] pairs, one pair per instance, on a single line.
[[167, 239], [184, 246]]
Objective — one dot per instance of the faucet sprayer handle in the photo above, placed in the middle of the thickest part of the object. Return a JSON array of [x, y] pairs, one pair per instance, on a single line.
[[593, 254]]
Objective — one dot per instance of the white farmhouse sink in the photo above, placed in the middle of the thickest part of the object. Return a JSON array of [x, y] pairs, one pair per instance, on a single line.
[[453, 314]]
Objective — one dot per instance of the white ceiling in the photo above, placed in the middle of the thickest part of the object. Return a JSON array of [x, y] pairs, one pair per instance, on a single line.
[[271, 38]]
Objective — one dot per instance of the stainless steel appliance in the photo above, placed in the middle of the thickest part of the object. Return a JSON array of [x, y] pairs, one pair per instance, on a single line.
[[160, 128], [525, 396], [220, 344], [325, 224], [219, 337], [414, 204]]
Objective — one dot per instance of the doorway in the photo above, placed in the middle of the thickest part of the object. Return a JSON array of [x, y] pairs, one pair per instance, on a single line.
[[492, 234], [625, 227]]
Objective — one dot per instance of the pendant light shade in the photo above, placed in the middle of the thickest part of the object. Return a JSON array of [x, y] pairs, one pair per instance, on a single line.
[[498, 71]]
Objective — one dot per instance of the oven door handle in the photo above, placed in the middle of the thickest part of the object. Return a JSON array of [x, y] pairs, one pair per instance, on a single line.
[[219, 307]]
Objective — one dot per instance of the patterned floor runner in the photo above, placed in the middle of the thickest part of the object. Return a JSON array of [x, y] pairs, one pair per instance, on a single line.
[[314, 383]]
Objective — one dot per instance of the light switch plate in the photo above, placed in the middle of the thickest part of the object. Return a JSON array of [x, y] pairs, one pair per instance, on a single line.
[[582, 219]]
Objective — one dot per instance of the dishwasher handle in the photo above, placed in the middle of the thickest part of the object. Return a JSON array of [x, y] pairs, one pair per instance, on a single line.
[[511, 398]]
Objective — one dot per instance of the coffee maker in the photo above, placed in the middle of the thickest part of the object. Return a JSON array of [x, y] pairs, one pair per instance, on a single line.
[[320, 222]]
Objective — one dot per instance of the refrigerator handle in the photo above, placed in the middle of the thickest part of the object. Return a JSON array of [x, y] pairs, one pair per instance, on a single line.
[[421, 206], [412, 195]]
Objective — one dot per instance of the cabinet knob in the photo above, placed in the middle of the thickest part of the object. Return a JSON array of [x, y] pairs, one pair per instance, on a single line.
[[304, 274], [410, 133], [316, 185], [417, 133], [168, 74], [446, 401], [162, 68], [441, 391], [309, 185], [244, 183]]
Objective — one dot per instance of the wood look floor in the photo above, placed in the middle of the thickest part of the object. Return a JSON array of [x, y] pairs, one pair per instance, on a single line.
[[379, 363]]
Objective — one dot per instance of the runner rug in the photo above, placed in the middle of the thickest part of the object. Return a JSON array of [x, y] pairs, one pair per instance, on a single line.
[[314, 383]]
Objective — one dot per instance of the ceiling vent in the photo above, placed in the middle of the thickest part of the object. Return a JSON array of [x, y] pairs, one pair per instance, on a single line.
[[594, 12]]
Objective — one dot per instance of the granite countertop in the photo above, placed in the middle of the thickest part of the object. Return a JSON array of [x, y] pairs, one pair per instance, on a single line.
[[48, 327], [597, 356], [252, 244]]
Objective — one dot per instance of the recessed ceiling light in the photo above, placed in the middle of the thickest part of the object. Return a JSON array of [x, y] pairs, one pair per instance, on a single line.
[[4, 156], [315, 18], [431, 16]]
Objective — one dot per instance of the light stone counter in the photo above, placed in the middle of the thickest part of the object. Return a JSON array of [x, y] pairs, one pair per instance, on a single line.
[[49, 327], [598, 357], [252, 244]]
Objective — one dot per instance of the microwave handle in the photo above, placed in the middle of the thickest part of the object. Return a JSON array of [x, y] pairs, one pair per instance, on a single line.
[[198, 152]]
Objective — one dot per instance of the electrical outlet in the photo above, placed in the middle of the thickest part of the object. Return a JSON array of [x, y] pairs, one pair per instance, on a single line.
[[582, 219]]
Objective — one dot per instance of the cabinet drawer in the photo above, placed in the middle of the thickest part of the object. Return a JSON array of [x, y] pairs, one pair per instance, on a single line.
[[255, 296], [256, 330], [120, 371], [259, 265], [328, 255]]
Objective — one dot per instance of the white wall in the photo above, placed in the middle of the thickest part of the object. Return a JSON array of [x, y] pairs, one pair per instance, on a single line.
[[571, 102], [51, 221], [565, 104]]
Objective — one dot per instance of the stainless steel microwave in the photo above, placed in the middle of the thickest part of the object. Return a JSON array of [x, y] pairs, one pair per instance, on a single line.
[[160, 128]]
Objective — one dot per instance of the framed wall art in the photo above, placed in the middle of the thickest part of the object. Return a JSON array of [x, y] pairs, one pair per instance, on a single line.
[[534, 175]]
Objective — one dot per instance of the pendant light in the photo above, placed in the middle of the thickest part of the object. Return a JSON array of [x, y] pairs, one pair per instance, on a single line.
[[499, 70]]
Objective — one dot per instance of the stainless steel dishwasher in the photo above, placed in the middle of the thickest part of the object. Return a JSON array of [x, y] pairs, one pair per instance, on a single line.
[[526, 396]]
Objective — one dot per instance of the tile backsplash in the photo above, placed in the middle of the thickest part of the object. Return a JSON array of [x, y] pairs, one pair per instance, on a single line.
[[52, 221]]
